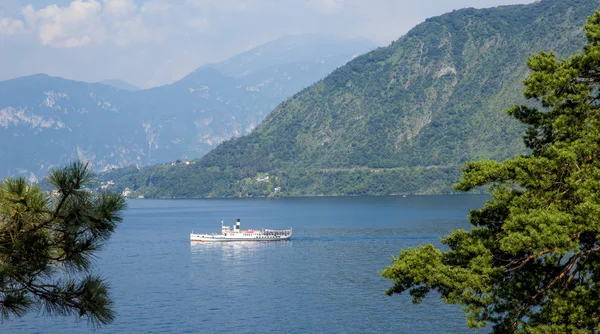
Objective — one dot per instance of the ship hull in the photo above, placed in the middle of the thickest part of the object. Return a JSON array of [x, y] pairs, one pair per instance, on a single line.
[[222, 238], [237, 234]]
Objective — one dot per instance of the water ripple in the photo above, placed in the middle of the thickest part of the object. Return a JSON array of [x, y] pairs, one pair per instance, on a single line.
[[325, 280]]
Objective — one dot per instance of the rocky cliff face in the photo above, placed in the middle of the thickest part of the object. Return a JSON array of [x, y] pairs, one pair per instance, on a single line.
[[47, 121]]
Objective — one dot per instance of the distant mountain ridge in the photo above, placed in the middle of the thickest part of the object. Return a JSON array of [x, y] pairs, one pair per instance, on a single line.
[[300, 49], [398, 120], [119, 84], [47, 121]]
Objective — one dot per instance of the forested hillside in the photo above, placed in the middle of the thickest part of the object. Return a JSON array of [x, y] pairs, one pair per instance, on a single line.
[[400, 119]]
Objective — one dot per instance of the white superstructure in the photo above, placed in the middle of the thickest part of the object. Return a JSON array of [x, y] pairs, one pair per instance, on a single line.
[[237, 234]]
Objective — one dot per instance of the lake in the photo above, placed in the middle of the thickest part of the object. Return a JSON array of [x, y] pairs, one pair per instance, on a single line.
[[325, 280]]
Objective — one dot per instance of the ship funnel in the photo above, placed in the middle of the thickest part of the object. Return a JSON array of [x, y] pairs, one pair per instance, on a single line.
[[237, 225]]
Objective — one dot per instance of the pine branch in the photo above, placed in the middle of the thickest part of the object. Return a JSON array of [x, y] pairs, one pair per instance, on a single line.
[[522, 262]]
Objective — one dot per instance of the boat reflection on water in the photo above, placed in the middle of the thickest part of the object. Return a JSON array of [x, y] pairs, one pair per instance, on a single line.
[[235, 250]]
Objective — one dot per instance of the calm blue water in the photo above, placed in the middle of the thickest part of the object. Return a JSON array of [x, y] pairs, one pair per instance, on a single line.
[[325, 280]]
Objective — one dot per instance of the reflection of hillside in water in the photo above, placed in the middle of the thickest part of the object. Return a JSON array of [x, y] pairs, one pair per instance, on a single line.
[[234, 251]]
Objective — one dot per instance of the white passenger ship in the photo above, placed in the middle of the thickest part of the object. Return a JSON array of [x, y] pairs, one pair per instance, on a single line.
[[237, 234]]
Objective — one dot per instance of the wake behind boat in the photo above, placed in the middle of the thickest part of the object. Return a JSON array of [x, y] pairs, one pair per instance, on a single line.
[[237, 234]]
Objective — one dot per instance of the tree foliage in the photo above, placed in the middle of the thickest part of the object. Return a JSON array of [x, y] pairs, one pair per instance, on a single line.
[[47, 244], [531, 262]]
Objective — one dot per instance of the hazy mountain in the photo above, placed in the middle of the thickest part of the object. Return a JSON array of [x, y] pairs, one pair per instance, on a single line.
[[47, 120], [119, 84], [303, 49], [399, 119]]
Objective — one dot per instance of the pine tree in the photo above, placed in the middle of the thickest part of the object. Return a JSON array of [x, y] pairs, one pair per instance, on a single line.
[[47, 244], [531, 262]]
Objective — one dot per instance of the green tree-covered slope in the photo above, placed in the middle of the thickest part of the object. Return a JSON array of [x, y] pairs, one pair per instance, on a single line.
[[400, 119]]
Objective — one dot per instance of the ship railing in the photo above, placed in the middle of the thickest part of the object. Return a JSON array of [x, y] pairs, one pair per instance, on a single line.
[[278, 232]]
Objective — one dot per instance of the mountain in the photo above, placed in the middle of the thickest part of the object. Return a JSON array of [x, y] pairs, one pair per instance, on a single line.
[[119, 84], [303, 49], [399, 119], [269, 67], [47, 120]]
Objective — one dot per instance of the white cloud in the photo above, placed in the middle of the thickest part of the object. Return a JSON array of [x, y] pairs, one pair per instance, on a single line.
[[236, 5], [118, 22], [156, 7], [119, 7], [73, 42], [66, 27], [9, 26]]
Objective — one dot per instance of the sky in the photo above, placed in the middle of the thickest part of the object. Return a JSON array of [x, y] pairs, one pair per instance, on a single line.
[[156, 42]]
